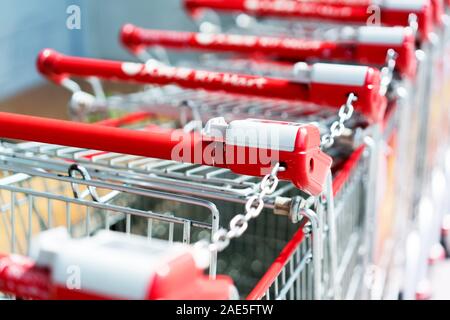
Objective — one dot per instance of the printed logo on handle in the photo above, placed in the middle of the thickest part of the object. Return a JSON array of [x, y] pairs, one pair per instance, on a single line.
[[253, 41], [159, 70], [282, 6]]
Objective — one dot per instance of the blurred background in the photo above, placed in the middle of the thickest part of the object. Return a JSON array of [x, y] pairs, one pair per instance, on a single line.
[[27, 26]]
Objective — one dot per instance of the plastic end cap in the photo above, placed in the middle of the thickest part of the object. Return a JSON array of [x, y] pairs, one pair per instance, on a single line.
[[46, 64]]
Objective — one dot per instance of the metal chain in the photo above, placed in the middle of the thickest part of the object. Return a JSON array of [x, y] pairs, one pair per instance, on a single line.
[[253, 208], [338, 127], [413, 23], [346, 111], [387, 71]]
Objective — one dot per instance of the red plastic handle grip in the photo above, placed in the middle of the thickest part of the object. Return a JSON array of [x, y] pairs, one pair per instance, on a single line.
[[339, 2], [292, 49], [438, 11], [283, 9], [154, 144], [306, 165], [135, 38], [20, 277], [375, 54], [359, 12], [57, 66]]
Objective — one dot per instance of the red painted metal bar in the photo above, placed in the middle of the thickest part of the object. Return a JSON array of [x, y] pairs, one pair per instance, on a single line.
[[364, 82], [305, 164], [293, 49], [277, 266], [361, 12]]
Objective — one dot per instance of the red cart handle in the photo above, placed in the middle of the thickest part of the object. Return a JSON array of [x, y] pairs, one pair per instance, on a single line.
[[438, 11], [369, 45], [437, 5], [393, 12], [247, 147], [337, 81], [19, 276], [101, 260]]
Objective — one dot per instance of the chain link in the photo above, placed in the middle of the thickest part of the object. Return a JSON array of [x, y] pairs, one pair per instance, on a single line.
[[387, 72], [338, 127], [346, 111], [253, 208]]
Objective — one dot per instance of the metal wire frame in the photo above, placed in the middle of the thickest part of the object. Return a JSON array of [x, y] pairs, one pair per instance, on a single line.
[[121, 172], [192, 108], [175, 177], [291, 275], [172, 176], [244, 24], [211, 183], [302, 29], [34, 199], [433, 129], [217, 184], [195, 180], [178, 211], [421, 95], [211, 22]]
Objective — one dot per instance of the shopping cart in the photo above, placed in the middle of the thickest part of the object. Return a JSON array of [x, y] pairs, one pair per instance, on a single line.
[[426, 18], [311, 81], [389, 134], [180, 184], [110, 265], [25, 159], [95, 74], [210, 13], [371, 45], [362, 45]]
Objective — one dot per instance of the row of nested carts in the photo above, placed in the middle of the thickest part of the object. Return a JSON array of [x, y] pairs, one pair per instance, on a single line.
[[290, 149]]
